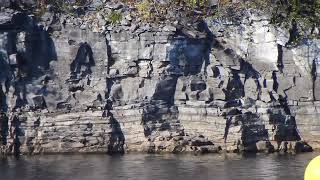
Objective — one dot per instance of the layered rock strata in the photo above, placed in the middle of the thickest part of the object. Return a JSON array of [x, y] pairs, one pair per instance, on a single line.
[[210, 86]]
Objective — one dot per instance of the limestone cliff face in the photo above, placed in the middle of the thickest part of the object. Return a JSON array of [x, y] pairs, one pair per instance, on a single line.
[[210, 86]]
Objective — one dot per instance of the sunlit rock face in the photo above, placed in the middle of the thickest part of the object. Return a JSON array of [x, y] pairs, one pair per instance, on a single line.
[[224, 86]]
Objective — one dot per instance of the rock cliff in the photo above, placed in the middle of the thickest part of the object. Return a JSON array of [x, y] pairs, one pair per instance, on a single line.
[[195, 86]]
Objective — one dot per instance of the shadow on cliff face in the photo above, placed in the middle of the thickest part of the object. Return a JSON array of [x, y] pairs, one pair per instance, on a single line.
[[315, 69], [30, 50], [253, 129], [3, 99], [117, 139], [81, 65], [191, 53], [31, 44], [4, 128], [24, 66], [165, 89], [188, 56], [235, 89], [15, 132], [5, 78], [286, 127], [115, 143]]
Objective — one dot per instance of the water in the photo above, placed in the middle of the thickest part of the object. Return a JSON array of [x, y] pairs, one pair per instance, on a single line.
[[156, 167]]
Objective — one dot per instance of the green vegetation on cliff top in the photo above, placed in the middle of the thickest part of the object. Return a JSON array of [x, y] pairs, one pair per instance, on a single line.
[[301, 15]]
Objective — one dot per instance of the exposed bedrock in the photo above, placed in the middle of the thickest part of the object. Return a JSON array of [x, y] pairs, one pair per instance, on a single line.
[[222, 86]]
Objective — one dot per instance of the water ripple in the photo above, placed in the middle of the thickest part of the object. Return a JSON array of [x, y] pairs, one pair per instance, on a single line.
[[155, 167]]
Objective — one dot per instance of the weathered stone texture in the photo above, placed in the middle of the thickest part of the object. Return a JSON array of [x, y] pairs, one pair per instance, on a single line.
[[237, 88]]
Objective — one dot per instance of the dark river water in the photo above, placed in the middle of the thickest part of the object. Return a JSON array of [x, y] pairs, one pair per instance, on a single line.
[[156, 167]]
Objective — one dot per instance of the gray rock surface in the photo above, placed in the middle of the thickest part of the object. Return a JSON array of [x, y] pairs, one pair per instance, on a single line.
[[68, 86]]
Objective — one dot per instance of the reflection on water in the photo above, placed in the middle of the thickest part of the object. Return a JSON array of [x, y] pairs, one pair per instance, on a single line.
[[156, 167]]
